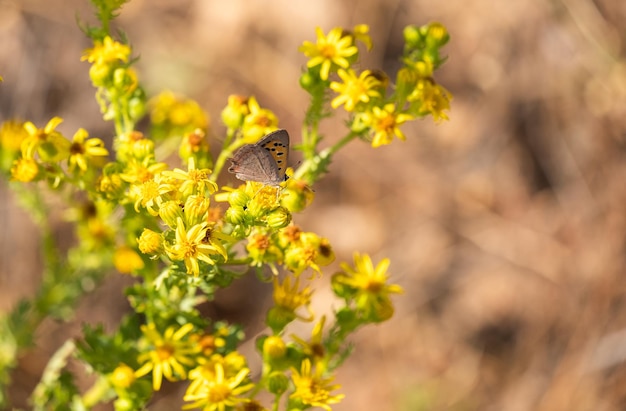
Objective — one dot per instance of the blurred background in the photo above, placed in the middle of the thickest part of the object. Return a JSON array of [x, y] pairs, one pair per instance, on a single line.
[[506, 226]]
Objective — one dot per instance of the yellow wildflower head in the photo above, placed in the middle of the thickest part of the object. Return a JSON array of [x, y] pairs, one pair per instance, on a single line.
[[258, 122], [150, 242], [166, 355], [288, 298], [107, 51], [429, 97], [262, 249], [122, 376], [12, 133], [312, 388], [235, 111], [85, 152], [191, 247], [354, 90], [367, 286], [194, 181], [314, 348], [24, 170], [48, 143], [384, 123], [172, 115], [126, 260], [297, 195], [216, 385], [330, 52]]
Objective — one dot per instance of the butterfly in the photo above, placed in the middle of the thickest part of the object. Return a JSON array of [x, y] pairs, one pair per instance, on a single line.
[[265, 161]]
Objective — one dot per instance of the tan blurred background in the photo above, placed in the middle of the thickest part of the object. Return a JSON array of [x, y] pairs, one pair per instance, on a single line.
[[506, 225]]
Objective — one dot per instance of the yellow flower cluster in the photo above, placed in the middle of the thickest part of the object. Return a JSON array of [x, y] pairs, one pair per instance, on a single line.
[[40, 149], [377, 115], [291, 247]]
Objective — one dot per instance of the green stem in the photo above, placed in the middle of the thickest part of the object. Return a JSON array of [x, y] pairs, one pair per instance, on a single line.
[[225, 154], [310, 170], [334, 148]]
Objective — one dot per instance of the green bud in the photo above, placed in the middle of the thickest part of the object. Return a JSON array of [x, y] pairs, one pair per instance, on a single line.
[[348, 319], [274, 348], [143, 148], [278, 218], [124, 404], [238, 199], [278, 318], [170, 212], [136, 107], [412, 36], [112, 186], [437, 35], [232, 117], [339, 287], [307, 80], [99, 74], [119, 77], [235, 215], [277, 383]]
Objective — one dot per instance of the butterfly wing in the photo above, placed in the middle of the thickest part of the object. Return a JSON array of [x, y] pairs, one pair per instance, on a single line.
[[265, 161], [254, 163], [276, 144]]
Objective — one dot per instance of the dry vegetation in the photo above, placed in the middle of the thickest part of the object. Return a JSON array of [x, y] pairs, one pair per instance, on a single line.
[[506, 226]]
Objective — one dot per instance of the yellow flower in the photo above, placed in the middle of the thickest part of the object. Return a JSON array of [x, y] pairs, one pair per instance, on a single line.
[[330, 51], [218, 391], [47, 142], [313, 349], [262, 249], [142, 171], [149, 195], [289, 298], [126, 260], [168, 354], [297, 195], [361, 32], [367, 286], [194, 144], [150, 242], [174, 115], [106, 51], [191, 246], [122, 376], [81, 151], [385, 123], [24, 170], [309, 251], [258, 122], [354, 89], [12, 133], [313, 389], [429, 97], [194, 181], [235, 111]]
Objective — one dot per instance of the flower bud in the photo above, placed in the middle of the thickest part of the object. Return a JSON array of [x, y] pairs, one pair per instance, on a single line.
[[122, 376], [238, 198], [412, 36], [99, 73], [277, 383], [170, 212], [278, 218], [150, 242], [274, 348], [235, 215], [278, 318]]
